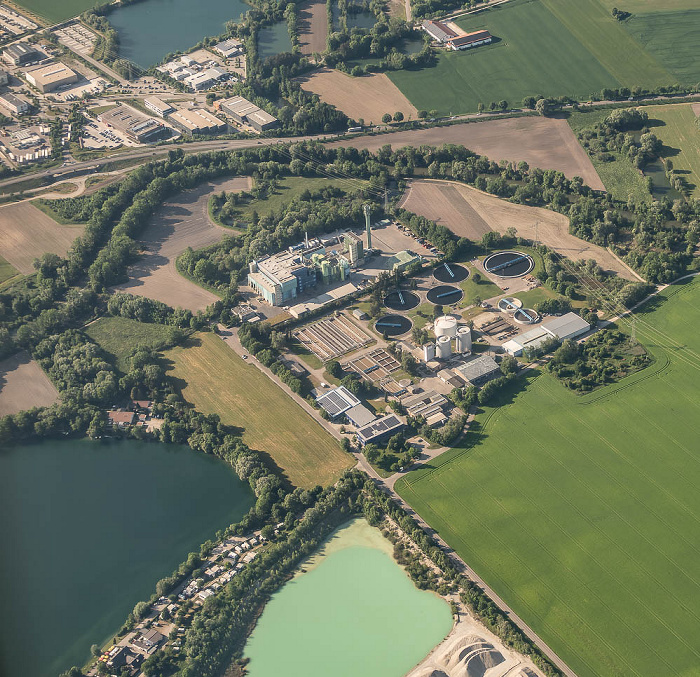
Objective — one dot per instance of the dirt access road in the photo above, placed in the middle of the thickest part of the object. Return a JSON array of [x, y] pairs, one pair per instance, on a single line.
[[547, 143], [470, 213], [180, 223]]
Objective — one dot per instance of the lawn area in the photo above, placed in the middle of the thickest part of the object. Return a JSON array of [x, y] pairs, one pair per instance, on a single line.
[[620, 177], [289, 188], [56, 10], [673, 39], [7, 272], [217, 381], [681, 137], [512, 67], [484, 289], [583, 512], [119, 336]]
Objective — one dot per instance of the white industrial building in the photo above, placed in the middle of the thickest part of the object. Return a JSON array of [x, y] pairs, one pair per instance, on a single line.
[[567, 326], [229, 48], [158, 106], [337, 401]]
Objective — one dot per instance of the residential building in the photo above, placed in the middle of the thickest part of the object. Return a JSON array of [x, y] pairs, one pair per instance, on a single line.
[[196, 121], [379, 430], [157, 106], [121, 419], [21, 53], [51, 77]]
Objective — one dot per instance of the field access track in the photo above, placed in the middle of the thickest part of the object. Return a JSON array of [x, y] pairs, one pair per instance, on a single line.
[[182, 221], [547, 143], [470, 213]]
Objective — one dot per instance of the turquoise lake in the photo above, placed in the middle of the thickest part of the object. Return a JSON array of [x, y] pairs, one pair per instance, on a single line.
[[150, 30], [354, 612], [87, 530]]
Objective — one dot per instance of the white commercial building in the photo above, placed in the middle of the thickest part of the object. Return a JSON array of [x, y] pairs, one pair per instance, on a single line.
[[567, 326]]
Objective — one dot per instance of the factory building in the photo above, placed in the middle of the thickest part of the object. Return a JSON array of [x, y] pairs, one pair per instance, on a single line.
[[474, 372], [354, 247], [245, 112], [133, 125], [568, 326], [379, 430], [402, 260], [337, 402], [21, 54], [157, 106], [14, 104], [4, 78], [282, 277], [196, 121], [205, 79], [229, 48], [51, 77]]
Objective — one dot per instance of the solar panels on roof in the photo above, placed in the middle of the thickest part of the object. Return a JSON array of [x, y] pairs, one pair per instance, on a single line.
[[337, 401]]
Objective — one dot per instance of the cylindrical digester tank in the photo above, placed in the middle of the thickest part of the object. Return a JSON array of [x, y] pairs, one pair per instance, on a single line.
[[446, 325], [444, 347], [463, 343], [429, 352]]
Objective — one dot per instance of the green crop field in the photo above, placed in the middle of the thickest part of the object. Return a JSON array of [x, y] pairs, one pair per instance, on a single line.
[[217, 381], [583, 513], [673, 39], [54, 11], [119, 336], [650, 6], [579, 50], [677, 126], [7, 272]]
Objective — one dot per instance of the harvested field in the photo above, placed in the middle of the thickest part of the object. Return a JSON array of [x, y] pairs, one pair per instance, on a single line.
[[26, 233], [470, 213], [313, 27], [180, 223], [546, 143], [23, 385], [367, 97]]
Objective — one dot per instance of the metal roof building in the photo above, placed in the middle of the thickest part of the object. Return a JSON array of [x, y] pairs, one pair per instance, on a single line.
[[246, 112], [337, 401], [229, 48], [360, 416], [567, 326], [53, 76], [21, 53], [479, 370], [380, 429]]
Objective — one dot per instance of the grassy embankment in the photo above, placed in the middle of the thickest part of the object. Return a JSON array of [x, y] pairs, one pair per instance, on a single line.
[[582, 512], [216, 380]]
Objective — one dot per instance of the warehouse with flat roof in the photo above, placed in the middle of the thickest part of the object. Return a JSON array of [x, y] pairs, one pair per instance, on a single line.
[[21, 53], [380, 430], [133, 125], [157, 106], [52, 76], [14, 104], [196, 121], [246, 112], [229, 48]]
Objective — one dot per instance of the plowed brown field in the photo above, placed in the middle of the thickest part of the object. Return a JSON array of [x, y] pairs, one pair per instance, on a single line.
[[547, 143], [367, 97], [313, 27], [180, 223], [470, 213]]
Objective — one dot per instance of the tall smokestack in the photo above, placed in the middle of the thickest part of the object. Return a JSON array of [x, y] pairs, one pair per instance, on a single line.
[[367, 226]]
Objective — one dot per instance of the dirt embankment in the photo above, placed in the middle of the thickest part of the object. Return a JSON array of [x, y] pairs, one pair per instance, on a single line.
[[547, 143], [470, 213], [180, 223], [367, 97]]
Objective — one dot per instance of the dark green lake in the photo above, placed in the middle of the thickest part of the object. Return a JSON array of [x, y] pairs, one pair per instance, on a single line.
[[151, 29], [274, 40], [87, 530]]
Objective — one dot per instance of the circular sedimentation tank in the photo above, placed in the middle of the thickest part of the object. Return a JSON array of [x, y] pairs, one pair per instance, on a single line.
[[450, 273], [401, 300], [393, 325], [446, 325], [509, 264], [445, 295], [509, 304], [526, 316]]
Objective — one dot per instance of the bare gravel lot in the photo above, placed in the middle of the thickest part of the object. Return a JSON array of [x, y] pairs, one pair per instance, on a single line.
[[26, 233], [180, 223], [470, 213], [23, 385], [367, 97], [547, 143], [313, 27]]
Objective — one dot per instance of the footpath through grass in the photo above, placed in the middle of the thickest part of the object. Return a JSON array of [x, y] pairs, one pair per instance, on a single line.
[[217, 381], [584, 512]]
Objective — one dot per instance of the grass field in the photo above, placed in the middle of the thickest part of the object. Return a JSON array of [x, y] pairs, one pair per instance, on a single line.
[[672, 38], [579, 49], [7, 272], [651, 6], [217, 381], [119, 336], [583, 512], [681, 137], [289, 188], [56, 10]]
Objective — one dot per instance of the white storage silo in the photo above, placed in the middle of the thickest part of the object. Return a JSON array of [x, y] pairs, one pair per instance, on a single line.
[[463, 343], [444, 348], [446, 325], [429, 352]]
